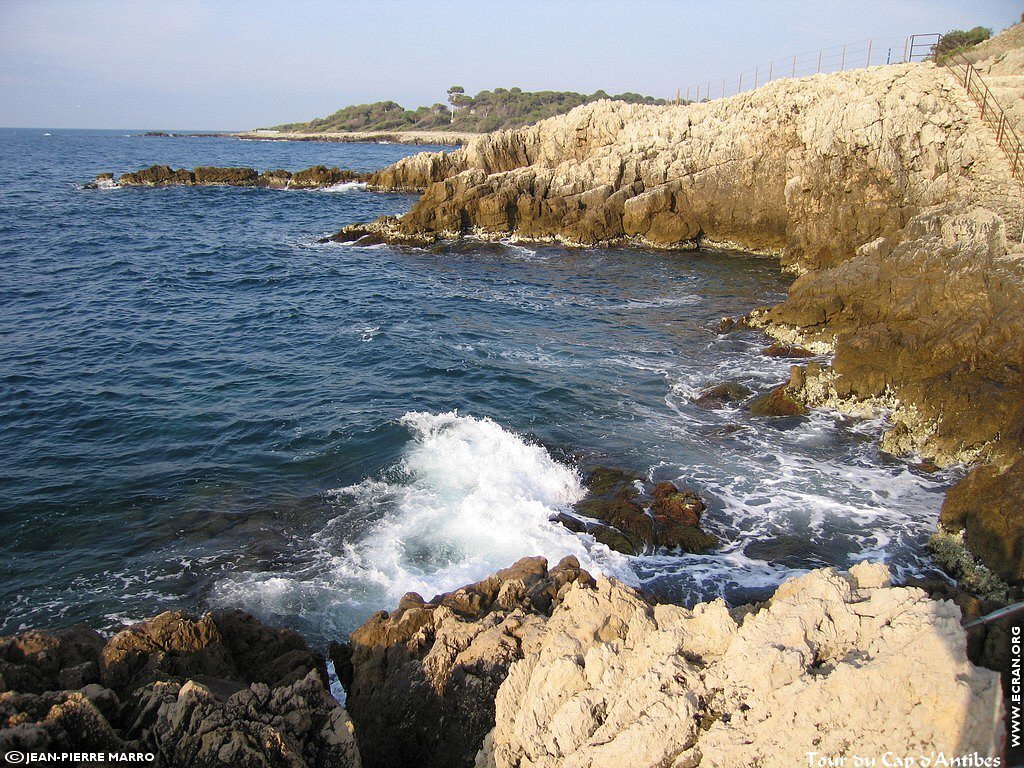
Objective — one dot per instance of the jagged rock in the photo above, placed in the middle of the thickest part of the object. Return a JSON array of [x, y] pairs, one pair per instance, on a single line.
[[38, 661], [722, 394], [421, 681], [834, 663], [613, 499], [222, 689], [258, 727]]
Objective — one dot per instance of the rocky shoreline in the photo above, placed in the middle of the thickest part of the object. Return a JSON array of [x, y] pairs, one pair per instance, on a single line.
[[529, 667], [880, 188]]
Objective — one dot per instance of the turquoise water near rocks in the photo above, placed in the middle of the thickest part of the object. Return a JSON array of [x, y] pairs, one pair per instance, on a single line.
[[200, 405]]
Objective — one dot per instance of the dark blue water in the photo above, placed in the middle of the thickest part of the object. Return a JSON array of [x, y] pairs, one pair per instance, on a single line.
[[202, 406]]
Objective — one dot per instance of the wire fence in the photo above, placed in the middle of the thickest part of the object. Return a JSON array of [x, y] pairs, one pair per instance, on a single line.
[[836, 58]]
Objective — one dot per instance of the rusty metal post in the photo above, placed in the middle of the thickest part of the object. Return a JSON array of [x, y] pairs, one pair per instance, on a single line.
[[869, 52], [999, 133], [842, 66], [819, 61]]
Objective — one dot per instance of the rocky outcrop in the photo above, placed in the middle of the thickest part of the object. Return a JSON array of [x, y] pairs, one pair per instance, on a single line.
[[834, 664], [316, 177], [618, 515], [222, 689], [421, 680], [810, 168]]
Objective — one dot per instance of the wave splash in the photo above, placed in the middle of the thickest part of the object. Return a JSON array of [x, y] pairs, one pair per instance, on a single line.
[[467, 499]]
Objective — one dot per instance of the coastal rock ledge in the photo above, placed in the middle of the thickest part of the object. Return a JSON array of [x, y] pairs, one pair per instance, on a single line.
[[530, 667]]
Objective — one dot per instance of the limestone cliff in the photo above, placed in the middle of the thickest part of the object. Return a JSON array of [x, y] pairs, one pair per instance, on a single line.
[[881, 187]]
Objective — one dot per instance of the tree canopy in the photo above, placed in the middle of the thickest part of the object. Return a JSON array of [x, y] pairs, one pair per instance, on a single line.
[[487, 111]]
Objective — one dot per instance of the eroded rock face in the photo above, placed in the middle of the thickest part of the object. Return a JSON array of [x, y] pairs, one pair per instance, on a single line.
[[813, 168], [221, 689], [834, 663], [421, 681]]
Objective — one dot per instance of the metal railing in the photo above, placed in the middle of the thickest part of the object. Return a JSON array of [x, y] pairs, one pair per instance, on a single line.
[[991, 112], [862, 53]]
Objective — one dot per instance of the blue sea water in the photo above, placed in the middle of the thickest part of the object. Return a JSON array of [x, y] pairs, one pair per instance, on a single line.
[[200, 405]]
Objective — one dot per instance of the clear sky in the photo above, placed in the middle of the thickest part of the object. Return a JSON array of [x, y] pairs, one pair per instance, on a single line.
[[234, 64]]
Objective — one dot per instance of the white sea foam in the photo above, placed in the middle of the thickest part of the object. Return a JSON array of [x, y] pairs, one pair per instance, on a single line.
[[467, 499], [345, 186]]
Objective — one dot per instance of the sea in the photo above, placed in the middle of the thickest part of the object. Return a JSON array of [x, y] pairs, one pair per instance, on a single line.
[[202, 406]]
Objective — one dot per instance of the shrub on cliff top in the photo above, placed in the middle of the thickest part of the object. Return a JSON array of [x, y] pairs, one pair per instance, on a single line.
[[957, 40]]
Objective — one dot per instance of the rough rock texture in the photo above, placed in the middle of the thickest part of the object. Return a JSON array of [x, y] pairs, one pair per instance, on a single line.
[[421, 681], [834, 663], [812, 168], [219, 690], [316, 177], [615, 513]]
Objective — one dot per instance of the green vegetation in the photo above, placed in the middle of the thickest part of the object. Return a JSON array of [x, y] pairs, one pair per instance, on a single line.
[[487, 111], [959, 40]]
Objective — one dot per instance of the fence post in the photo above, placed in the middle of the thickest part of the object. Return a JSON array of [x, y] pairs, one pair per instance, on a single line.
[[869, 52], [842, 66], [707, 93], [723, 87], [771, 70], [793, 74], [755, 76], [698, 94], [819, 61], [687, 93], [739, 88], [906, 47], [999, 133]]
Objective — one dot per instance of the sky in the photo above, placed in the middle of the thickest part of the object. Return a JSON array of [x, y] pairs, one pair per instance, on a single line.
[[232, 65]]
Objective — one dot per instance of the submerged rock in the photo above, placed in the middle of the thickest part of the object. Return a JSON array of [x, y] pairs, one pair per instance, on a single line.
[[722, 394], [779, 349]]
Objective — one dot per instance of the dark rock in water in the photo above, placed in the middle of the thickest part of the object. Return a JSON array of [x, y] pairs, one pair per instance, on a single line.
[[375, 234], [622, 523], [730, 325], [422, 680], [778, 349], [722, 394], [222, 689], [986, 505], [317, 177], [780, 401], [787, 549], [681, 506], [926, 465]]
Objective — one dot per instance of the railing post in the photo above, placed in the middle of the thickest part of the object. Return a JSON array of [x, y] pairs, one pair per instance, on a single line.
[[687, 93], [755, 76], [819, 61], [793, 73], [869, 52], [723, 87], [698, 94], [739, 88], [999, 133], [842, 66], [707, 93], [906, 49]]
